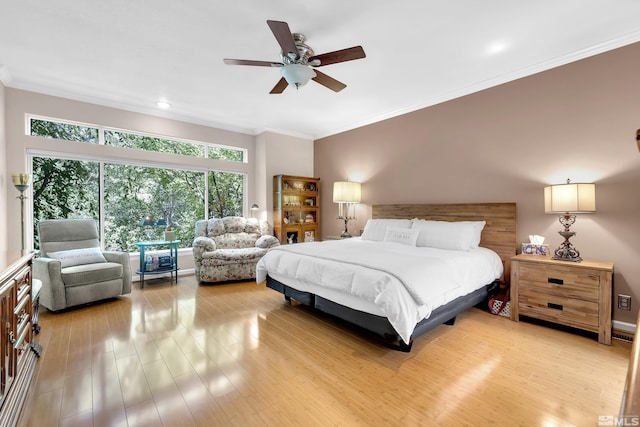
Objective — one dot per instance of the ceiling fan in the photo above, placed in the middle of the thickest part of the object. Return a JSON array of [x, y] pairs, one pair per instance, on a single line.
[[299, 62]]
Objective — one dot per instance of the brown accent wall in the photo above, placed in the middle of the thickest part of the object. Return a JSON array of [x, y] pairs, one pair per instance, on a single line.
[[505, 144]]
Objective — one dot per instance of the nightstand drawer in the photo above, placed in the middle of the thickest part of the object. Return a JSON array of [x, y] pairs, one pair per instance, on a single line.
[[558, 309], [566, 281]]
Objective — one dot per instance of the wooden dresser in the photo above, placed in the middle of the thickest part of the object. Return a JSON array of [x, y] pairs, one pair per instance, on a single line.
[[563, 292], [18, 353]]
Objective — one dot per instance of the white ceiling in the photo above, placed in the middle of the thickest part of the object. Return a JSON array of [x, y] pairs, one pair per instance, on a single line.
[[130, 53]]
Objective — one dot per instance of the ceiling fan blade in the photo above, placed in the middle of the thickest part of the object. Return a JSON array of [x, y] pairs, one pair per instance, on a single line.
[[329, 82], [349, 54], [251, 62], [280, 86], [283, 35]]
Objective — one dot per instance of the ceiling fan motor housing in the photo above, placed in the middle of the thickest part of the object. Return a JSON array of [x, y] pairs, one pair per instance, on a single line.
[[304, 51]]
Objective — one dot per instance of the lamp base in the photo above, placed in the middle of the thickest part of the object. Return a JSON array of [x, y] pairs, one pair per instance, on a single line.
[[566, 251], [345, 234]]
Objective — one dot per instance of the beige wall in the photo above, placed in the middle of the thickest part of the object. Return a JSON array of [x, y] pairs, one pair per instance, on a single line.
[[269, 154], [505, 144], [282, 154], [5, 177], [19, 104]]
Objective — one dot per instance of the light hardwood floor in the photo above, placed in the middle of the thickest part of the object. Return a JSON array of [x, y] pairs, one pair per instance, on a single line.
[[237, 354]]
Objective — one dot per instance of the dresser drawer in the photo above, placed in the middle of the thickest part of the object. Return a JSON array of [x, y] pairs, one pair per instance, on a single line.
[[555, 308], [562, 281]]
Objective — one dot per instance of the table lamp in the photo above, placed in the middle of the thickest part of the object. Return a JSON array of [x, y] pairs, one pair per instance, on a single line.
[[346, 194], [567, 200]]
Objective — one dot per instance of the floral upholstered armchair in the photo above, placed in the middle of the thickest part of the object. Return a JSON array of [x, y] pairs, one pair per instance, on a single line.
[[229, 248]]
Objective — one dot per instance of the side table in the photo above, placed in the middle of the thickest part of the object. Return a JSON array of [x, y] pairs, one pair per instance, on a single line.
[[575, 294], [150, 264]]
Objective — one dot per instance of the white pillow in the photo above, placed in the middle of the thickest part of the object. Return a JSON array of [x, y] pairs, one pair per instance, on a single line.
[[478, 226], [375, 229], [458, 236], [406, 236], [78, 256]]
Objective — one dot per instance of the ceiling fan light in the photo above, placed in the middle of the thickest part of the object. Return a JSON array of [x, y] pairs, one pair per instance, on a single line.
[[297, 74]]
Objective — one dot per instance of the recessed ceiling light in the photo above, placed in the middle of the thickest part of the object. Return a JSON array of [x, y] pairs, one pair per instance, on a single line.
[[496, 47], [163, 104]]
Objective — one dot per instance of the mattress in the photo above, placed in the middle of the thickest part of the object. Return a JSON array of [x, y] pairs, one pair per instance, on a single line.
[[402, 283]]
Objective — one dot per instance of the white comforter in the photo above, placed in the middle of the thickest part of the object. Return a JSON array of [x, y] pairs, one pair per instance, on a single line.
[[406, 283]]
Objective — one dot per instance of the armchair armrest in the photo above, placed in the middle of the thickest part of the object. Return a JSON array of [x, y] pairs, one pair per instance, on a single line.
[[48, 271], [124, 259], [267, 242], [201, 245]]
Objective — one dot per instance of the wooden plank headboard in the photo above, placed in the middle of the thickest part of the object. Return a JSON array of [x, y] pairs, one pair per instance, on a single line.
[[499, 234]]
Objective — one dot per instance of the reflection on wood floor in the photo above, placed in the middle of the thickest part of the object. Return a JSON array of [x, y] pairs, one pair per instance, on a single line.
[[237, 354]]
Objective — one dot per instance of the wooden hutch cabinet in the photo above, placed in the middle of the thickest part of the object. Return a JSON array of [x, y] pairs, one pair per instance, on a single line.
[[296, 208], [19, 353]]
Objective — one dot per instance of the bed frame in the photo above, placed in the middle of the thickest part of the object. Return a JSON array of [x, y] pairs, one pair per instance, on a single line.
[[499, 234]]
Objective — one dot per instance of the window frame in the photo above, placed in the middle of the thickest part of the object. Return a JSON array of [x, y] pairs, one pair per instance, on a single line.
[[121, 155]]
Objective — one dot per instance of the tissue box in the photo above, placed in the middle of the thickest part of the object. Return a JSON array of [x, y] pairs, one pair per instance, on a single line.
[[533, 249]]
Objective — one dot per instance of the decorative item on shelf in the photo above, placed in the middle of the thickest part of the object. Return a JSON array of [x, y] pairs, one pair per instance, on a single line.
[[309, 218], [567, 200], [292, 237], [346, 194], [169, 233], [309, 236], [21, 182]]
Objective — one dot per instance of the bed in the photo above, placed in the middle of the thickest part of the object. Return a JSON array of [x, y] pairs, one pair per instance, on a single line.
[[386, 287]]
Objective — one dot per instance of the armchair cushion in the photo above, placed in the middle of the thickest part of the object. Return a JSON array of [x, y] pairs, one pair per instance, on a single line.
[[85, 274], [78, 256]]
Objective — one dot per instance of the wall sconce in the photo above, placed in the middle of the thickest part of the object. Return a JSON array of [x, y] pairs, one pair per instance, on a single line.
[[346, 194], [21, 182], [569, 199], [254, 207], [638, 138]]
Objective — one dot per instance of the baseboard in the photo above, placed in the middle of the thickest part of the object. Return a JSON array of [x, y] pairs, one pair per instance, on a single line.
[[623, 331]]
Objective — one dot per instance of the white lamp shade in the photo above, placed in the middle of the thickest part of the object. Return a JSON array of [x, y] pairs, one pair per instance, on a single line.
[[346, 192], [297, 74], [574, 198]]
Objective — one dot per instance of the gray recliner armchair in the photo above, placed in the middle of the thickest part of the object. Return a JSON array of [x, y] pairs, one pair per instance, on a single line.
[[72, 268]]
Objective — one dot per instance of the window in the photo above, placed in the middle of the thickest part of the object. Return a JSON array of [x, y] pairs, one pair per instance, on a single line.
[[66, 131], [83, 133], [149, 143], [119, 194]]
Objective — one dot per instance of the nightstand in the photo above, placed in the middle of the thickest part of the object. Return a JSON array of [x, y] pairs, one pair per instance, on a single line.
[[576, 294]]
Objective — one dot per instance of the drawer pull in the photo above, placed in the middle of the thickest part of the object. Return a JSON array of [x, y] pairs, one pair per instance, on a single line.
[[554, 306], [555, 281]]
